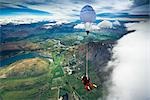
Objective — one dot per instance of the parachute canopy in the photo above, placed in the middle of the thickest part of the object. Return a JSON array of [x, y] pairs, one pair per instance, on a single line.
[[87, 14]]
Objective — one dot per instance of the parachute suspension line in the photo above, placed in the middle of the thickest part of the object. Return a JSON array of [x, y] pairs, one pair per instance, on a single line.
[[87, 55]]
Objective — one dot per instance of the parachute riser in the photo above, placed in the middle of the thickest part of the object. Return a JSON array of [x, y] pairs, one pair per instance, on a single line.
[[87, 58]]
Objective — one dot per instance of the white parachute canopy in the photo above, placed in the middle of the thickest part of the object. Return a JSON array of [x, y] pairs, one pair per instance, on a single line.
[[87, 15], [88, 26]]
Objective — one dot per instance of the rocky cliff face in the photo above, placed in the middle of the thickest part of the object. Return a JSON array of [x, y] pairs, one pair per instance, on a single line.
[[100, 54]]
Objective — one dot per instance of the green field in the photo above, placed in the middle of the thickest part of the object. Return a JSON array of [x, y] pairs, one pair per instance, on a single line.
[[39, 79]]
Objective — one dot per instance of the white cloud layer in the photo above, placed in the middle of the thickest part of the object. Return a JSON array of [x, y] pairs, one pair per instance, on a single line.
[[95, 27], [23, 19], [131, 73], [30, 19], [105, 24], [83, 26]]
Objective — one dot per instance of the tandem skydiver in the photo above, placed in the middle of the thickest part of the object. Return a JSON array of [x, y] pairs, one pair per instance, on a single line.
[[87, 84]]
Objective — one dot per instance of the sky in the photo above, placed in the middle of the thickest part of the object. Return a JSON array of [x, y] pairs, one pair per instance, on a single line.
[[130, 75], [70, 9]]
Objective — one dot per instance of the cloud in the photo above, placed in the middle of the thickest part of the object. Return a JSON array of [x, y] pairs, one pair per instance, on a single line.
[[122, 19], [8, 9], [131, 73], [105, 24], [79, 26], [82, 26], [70, 9], [50, 25], [140, 2], [116, 23], [35, 2], [141, 10], [22, 11], [23, 19], [140, 7]]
